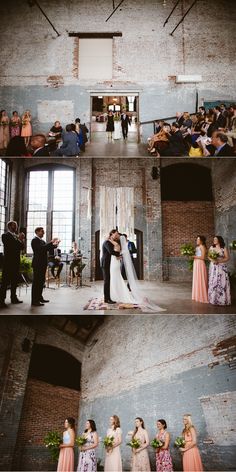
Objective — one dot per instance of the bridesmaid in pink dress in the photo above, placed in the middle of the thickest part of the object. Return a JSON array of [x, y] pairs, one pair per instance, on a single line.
[[200, 284], [26, 130], [4, 129], [66, 457], [140, 459], [191, 456], [163, 457], [113, 456]]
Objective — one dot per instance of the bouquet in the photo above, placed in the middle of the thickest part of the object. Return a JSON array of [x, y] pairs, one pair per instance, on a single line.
[[108, 441], [24, 122], [187, 249], [80, 440], [156, 443], [213, 254], [134, 443], [52, 441], [233, 245], [179, 442]]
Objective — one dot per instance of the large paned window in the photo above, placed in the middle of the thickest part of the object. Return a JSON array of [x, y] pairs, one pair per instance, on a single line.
[[51, 205], [3, 197]]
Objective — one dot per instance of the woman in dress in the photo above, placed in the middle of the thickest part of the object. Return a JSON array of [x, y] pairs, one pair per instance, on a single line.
[[163, 457], [66, 456], [140, 460], [15, 125], [110, 125], [117, 126], [87, 457], [4, 129], [113, 457], [26, 130], [219, 285], [191, 456], [199, 287]]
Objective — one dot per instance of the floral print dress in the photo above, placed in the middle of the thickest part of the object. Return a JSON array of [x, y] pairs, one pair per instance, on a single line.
[[219, 285], [163, 457], [87, 459]]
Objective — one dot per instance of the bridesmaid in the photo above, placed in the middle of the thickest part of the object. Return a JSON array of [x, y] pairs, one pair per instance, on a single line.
[[191, 456], [113, 457], [199, 288], [15, 125], [87, 457], [163, 457], [140, 459], [110, 125], [219, 285], [26, 130], [66, 456], [4, 129]]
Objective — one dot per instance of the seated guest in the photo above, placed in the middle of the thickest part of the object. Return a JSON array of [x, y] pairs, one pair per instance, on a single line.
[[187, 123], [202, 111], [219, 146], [179, 118], [176, 146], [54, 261], [160, 140], [69, 142], [219, 119], [17, 148], [231, 133], [158, 126], [56, 130], [82, 130], [38, 145]]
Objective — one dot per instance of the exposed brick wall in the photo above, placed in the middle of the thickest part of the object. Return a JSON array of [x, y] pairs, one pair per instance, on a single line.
[[45, 408]]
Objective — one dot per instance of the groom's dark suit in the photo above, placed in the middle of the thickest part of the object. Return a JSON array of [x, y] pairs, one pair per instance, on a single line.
[[39, 264], [107, 252]]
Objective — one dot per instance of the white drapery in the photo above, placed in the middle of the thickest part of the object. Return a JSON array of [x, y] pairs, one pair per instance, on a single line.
[[116, 209]]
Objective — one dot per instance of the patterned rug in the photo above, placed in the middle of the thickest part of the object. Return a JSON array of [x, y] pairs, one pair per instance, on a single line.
[[99, 304]]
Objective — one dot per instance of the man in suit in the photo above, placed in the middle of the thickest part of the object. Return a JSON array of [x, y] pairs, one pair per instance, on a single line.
[[13, 244], [219, 119], [125, 121], [39, 264], [54, 261], [176, 145], [38, 145], [107, 252], [220, 142], [132, 250]]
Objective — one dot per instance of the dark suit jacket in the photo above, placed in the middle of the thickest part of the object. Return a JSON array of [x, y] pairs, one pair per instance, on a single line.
[[225, 151], [52, 255], [125, 121], [40, 249], [70, 145], [132, 248], [220, 121], [176, 145], [107, 252], [44, 151], [12, 250]]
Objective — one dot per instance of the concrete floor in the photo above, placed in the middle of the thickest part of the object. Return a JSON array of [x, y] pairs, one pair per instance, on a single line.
[[174, 297]]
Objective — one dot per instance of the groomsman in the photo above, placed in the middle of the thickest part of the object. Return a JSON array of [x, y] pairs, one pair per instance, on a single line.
[[13, 244], [39, 264]]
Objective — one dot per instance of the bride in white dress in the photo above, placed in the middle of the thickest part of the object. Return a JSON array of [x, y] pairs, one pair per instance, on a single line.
[[118, 286], [117, 127]]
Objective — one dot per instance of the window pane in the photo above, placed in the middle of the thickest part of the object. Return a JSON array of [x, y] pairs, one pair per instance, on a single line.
[[3, 195], [62, 228], [95, 58], [34, 219], [38, 190], [63, 190]]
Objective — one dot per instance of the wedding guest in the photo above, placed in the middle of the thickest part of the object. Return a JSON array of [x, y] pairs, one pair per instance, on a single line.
[[125, 123], [191, 456], [113, 455], [69, 145], [219, 119], [4, 129], [199, 286], [219, 284], [231, 133], [15, 125], [26, 130], [38, 145], [87, 457], [140, 460], [17, 148], [220, 142], [55, 131], [179, 118], [163, 457], [66, 456], [82, 128], [110, 125], [176, 146]]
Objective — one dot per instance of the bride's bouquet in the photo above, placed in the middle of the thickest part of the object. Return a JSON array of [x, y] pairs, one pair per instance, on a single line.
[[134, 443], [156, 443], [81, 440], [179, 442]]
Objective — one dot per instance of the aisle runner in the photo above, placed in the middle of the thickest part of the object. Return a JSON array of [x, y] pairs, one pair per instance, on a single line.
[[99, 304]]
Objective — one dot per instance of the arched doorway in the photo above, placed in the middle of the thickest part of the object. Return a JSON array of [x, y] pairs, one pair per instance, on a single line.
[[138, 261], [52, 393]]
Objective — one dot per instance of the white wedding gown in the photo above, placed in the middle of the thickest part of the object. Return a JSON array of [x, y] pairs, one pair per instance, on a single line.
[[119, 291], [117, 130]]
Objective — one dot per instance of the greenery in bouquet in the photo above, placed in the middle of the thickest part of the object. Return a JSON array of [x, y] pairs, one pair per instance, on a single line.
[[4, 123], [108, 441], [52, 441], [188, 250], [80, 440], [156, 443], [134, 443], [213, 254], [24, 122], [179, 442], [233, 245], [116, 118]]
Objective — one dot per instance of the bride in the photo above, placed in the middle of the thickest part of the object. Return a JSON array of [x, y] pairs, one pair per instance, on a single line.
[[117, 127], [118, 286]]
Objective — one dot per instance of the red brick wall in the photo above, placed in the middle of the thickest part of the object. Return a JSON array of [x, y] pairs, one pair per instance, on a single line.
[[45, 408], [183, 221]]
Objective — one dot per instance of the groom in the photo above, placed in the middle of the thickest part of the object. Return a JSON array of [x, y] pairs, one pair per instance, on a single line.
[[107, 252]]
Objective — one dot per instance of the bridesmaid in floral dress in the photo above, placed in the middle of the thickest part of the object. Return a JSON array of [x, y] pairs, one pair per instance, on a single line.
[[140, 460], [219, 285], [15, 125], [87, 457], [26, 130], [113, 456], [163, 457], [4, 130], [200, 282], [66, 457], [191, 456]]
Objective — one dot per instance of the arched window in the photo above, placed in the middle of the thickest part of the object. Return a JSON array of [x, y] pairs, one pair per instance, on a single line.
[[186, 182], [50, 204]]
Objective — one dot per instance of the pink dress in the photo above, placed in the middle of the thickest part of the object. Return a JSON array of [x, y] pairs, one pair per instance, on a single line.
[[163, 457], [113, 458], [191, 459], [66, 457], [26, 130], [140, 460], [4, 133], [199, 288], [15, 124]]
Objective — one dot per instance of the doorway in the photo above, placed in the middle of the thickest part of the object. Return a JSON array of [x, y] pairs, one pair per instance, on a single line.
[[101, 104]]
